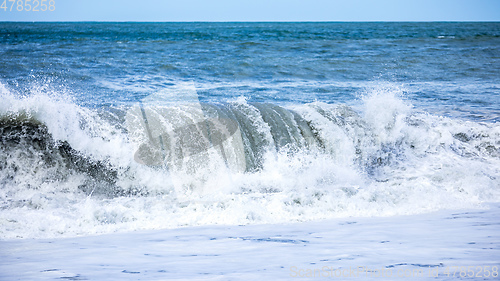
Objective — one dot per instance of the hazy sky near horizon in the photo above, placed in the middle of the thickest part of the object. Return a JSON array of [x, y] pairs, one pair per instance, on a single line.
[[256, 10]]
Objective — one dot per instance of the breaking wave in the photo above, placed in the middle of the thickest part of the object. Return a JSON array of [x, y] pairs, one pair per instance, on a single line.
[[68, 170]]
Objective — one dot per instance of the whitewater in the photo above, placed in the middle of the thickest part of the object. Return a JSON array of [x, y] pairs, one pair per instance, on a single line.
[[69, 171], [301, 181]]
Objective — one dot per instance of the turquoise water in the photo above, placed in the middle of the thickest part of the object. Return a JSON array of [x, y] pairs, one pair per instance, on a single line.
[[451, 68]]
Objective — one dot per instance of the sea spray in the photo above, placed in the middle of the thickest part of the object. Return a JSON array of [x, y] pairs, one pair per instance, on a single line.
[[69, 170]]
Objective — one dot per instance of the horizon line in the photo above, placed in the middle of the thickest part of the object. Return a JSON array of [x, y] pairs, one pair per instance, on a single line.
[[269, 21]]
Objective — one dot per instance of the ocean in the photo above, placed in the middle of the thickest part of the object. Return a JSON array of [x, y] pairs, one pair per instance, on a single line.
[[249, 150]]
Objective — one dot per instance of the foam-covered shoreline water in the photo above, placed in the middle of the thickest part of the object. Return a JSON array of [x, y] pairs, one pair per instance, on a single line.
[[433, 246], [68, 170]]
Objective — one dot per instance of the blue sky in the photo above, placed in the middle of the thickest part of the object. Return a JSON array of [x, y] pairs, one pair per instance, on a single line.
[[260, 10]]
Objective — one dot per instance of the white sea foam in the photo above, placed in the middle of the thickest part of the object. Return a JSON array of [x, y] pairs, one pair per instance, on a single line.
[[432, 246], [384, 159]]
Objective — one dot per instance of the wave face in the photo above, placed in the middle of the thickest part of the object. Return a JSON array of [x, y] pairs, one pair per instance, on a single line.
[[68, 170]]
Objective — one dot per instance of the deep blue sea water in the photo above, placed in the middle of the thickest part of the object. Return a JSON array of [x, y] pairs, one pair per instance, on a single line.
[[449, 67], [123, 126]]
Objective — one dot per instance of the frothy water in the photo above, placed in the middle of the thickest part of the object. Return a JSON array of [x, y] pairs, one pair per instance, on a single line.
[[69, 170]]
